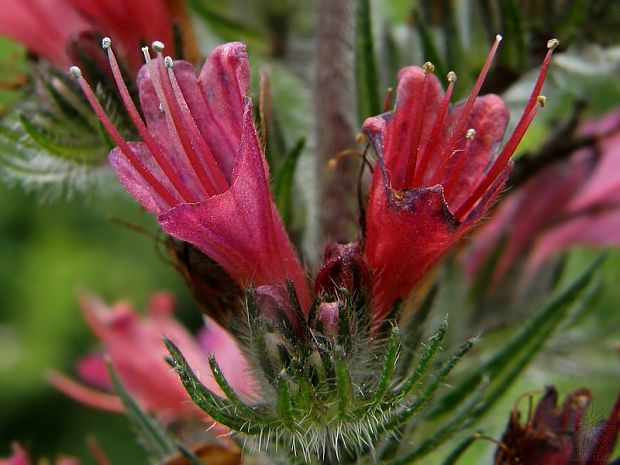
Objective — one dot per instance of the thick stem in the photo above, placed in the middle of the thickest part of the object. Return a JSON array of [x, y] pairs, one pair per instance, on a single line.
[[334, 100]]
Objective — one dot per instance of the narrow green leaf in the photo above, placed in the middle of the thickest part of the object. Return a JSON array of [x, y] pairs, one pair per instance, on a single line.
[[482, 280], [227, 28], [540, 327], [406, 413], [451, 39], [512, 26], [454, 456], [366, 78], [427, 356], [216, 407], [506, 379], [573, 21], [389, 363], [285, 405], [228, 391], [283, 182], [75, 154], [412, 332], [152, 436], [453, 425], [428, 45], [343, 382]]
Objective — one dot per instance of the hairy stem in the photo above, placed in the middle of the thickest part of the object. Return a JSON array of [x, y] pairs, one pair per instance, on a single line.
[[335, 108]]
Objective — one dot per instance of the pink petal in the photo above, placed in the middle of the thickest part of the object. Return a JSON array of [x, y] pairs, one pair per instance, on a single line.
[[528, 212], [240, 229], [596, 229], [85, 395], [605, 181], [135, 185], [94, 371]]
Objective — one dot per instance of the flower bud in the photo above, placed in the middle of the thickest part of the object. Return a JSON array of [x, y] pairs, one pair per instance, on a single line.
[[343, 267]]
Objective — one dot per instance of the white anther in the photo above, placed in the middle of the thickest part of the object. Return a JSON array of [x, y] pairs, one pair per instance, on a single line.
[[470, 134], [499, 38], [553, 43], [428, 67], [541, 100], [168, 63], [158, 46], [76, 72], [106, 42], [451, 76]]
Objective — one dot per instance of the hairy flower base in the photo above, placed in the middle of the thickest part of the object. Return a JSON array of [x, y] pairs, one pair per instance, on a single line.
[[321, 397]]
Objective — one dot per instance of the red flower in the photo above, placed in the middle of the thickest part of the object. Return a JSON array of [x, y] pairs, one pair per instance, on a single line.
[[558, 436], [437, 173], [136, 351], [201, 168], [48, 27]]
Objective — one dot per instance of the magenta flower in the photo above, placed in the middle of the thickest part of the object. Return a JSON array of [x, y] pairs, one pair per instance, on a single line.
[[200, 166], [48, 27], [437, 173], [558, 435], [572, 202], [21, 457], [135, 349]]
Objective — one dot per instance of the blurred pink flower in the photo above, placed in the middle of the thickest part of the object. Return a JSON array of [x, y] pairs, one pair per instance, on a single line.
[[48, 27], [201, 168], [437, 173], [572, 202], [136, 351], [21, 457]]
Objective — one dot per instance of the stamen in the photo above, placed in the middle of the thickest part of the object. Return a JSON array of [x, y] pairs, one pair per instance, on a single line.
[[425, 155], [120, 142], [466, 111], [158, 46], [501, 160], [154, 148], [213, 169], [451, 183], [388, 100], [166, 101], [526, 118], [428, 68]]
